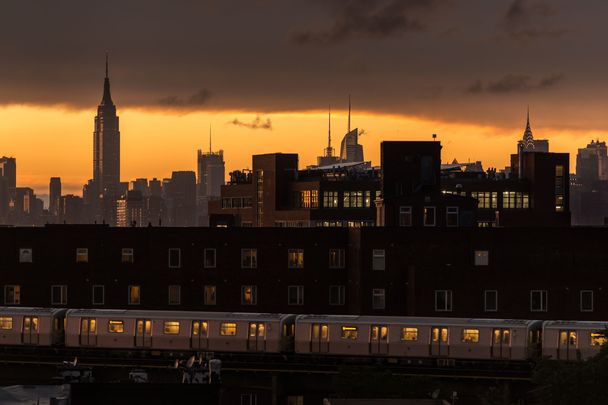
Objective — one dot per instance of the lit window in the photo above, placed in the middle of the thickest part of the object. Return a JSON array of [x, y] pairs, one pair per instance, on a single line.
[[134, 295], [586, 300], [59, 295], [228, 329], [336, 258], [352, 199], [443, 300], [175, 258], [596, 338], [295, 258], [210, 295], [330, 199], [515, 200], [337, 294], [210, 257], [378, 259], [490, 300], [82, 255], [249, 258], [127, 255], [409, 334], [538, 300], [200, 328], [25, 255], [6, 322], [174, 294], [378, 298], [559, 171], [171, 328], [486, 199], [568, 338], [470, 335], [116, 326], [249, 295], [12, 294], [451, 216], [405, 216], [98, 294], [350, 332], [482, 257], [295, 295], [429, 216]]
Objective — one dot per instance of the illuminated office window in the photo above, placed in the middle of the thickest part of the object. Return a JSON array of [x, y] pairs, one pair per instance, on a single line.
[[134, 295], [295, 258]]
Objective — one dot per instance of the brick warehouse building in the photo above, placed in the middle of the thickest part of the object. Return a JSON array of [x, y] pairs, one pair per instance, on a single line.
[[533, 273]]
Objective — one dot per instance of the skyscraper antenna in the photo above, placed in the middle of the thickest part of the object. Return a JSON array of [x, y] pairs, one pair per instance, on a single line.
[[329, 130], [107, 63], [349, 113], [210, 139], [528, 122]]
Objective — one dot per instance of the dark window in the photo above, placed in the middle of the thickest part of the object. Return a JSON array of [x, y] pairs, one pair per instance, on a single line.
[[210, 258], [98, 295], [538, 300], [378, 298], [443, 300], [429, 216], [405, 216], [249, 258], [295, 295], [451, 216], [490, 300], [336, 259], [59, 295], [378, 262], [586, 300], [337, 294], [174, 295], [12, 294], [175, 258]]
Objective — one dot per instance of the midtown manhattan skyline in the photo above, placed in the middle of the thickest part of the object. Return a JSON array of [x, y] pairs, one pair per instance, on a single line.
[[435, 68]]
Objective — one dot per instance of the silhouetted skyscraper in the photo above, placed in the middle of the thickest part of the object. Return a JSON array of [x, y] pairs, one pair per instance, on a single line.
[[54, 196], [8, 170], [350, 150], [181, 198], [106, 144]]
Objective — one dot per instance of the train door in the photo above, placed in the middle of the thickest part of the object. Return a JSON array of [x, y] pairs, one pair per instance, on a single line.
[[30, 330], [88, 331], [199, 335], [501, 343], [143, 333], [319, 338], [256, 339], [440, 345], [378, 339], [567, 345]]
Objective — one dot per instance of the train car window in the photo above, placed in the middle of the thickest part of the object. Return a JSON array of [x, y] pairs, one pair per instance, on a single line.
[[116, 326], [470, 335], [597, 339], [567, 338], [6, 322], [350, 332], [171, 328], [228, 329], [409, 334]]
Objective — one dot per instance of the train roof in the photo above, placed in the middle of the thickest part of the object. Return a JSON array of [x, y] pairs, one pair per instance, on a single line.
[[408, 320], [30, 311], [576, 324], [129, 313]]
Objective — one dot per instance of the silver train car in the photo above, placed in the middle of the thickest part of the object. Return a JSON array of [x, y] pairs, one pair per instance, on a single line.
[[31, 326], [573, 340], [417, 337], [178, 330]]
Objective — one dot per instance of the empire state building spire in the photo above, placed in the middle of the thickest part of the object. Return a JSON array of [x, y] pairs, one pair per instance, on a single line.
[[107, 96]]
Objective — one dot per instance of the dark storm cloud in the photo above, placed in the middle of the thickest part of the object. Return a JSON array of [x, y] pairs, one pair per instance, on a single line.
[[514, 83], [374, 19], [527, 20], [257, 123], [198, 99]]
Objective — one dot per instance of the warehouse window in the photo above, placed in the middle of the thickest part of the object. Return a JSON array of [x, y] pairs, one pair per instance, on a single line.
[[228, 329], [295, 295], [249, 258], [490, 300], [175, 258], [336, 258], [378, 298], [405, 216], [378, 259], [127, 255], [596, 338], [12, 294], [82, 255], [98, 294], [25, 255], [330, 199], [586, 301], [6, 322], [249, 295], [538, 300], [134, 295], [210, 258], [443, 300], [171, 328], [116, 326], [249, 399], [337, 294], [470, 335], [409, 334], [210, 295], [482, 258], [59, 294], [429, 216], [295, 258], [350, 332], [175, 295], [451, 216]]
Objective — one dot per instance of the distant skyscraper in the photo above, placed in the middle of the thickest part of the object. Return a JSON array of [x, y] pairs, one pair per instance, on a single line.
[[592, 163], [350, 150], [210, 172], [140, 185], [528, 143], [328, 157], [54, 196], [8, 170], [181, 198], [106, 144], [130, 209]]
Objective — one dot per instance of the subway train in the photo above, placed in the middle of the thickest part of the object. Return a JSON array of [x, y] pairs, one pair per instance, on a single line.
[[308, 335]]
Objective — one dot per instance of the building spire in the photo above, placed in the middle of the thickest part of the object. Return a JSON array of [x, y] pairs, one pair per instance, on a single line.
[[348, 113], [210, 150], [329, 151], [528, 139], [107, 65], [107, 97]]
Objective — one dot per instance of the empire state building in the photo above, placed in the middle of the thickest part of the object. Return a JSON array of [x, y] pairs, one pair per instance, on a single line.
[[106, 144]]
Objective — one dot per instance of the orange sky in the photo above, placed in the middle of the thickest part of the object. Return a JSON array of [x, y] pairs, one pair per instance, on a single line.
[[51, 141]]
